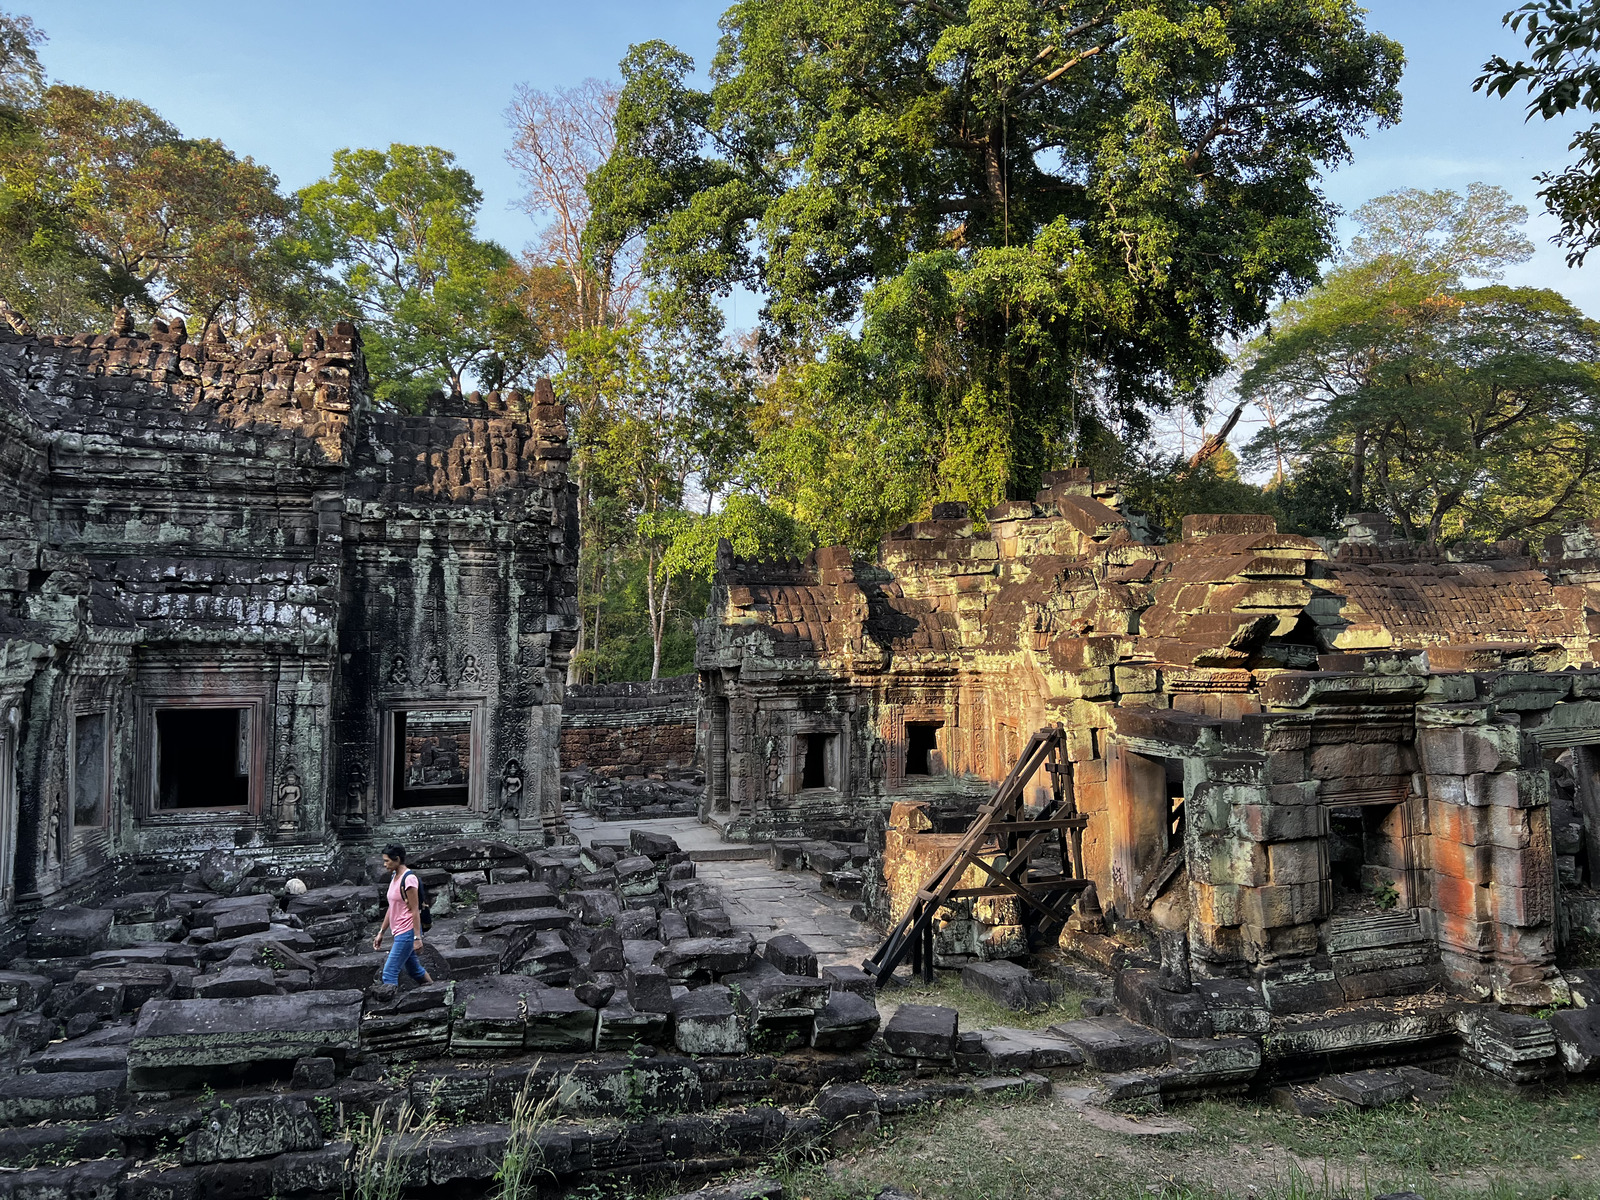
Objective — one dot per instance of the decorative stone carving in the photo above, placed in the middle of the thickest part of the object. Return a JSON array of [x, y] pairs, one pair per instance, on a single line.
[[399, 672], [511, 789], [471, 672], [290, 795]]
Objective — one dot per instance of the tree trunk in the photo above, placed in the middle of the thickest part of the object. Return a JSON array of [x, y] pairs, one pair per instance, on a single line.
[[1358, 472]]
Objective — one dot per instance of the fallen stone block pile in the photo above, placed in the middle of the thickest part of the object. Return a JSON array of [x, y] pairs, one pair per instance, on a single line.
[[841, 864], [607, 796]]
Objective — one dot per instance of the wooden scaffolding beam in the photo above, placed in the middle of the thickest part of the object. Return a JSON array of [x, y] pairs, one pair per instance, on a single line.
[[1004, 832]]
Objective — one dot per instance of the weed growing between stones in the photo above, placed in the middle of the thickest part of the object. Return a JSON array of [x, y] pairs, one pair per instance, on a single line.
[[378, 1165], [523, 1164]]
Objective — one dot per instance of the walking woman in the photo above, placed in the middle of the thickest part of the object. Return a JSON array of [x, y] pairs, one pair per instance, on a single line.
[[402, 920]]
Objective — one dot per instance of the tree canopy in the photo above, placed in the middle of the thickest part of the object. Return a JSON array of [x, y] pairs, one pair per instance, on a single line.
[[993, 224], [1460, 412], [438, 303]]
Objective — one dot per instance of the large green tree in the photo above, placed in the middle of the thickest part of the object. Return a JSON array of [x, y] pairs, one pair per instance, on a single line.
[[104, 203], [981, 226], [440, 306], [1457, 411]]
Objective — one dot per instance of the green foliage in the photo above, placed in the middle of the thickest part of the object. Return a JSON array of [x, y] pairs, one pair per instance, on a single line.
[[1563, 38], [980, 230], [438, 304], [1166, 491], [104, 203], [1460, 413]]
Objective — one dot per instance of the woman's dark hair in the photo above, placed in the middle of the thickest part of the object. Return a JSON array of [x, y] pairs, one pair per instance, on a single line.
[[396, 852]]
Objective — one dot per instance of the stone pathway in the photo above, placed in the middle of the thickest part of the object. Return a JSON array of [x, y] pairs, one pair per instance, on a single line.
[[757, 898]]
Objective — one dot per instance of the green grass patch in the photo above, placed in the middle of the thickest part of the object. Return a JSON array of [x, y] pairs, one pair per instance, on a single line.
[[977, 1010]]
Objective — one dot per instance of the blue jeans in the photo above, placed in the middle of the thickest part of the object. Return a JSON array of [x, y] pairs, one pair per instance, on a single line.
[[401, 954]]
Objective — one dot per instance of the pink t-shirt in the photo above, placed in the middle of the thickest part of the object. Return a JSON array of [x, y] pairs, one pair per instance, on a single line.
[[399, 912]]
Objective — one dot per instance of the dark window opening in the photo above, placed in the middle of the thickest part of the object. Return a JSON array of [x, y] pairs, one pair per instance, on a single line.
[[1174, 804], [814, 771], [203, 757], [432, 758], [89, 770], [922, 747], [1367, 858]]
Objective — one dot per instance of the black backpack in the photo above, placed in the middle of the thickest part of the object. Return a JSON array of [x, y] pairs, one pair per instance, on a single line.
[[424, 901]]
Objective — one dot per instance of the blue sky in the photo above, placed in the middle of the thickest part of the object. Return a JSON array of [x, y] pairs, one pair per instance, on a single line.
[[290, 82]]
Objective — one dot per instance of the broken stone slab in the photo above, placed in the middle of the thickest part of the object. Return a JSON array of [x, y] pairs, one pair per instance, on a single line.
[[593, 906], [69, 932], [1209, 1065], [1427, 1088], [672, 927], [313, 1073], [547, 958], [749, 1189], [851, 979], [23, 990], [605, 951], [324, 1171], [236, 982], [531, 919], [1029, 1050], [472, 962], [1145, 1001], [1007, 984], [140, 982], [1367, 1089], [844, 885], [637, 924], [558, 1021], [622, 1026], [62, 1096], [704, 1022], [1115, 1044], [709, 958], [1233, 1006], [846, 1022], [490, 1022], [922, 1031], [203, 1033], [510, 897], [1357, 1030], [242, 921], [81, 1055], [654, 845], [649, 989], [252, 1127], [1577, 1033], [790, 955], [709, 922], [349, 971], [685, 895]]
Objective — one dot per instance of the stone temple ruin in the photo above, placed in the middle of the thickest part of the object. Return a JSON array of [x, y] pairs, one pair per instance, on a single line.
[[244, 610], [1334, 810], [1341, 772]]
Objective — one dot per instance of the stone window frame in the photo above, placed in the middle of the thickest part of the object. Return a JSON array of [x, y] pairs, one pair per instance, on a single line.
[[89, 707], [835, 727], [148, 807], [943, 717], [477, 767], [1402, 798]]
